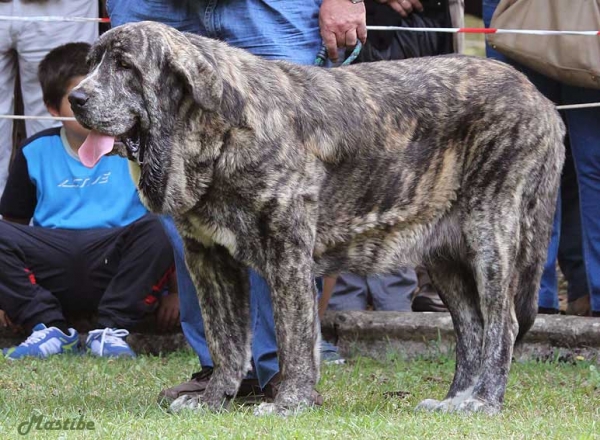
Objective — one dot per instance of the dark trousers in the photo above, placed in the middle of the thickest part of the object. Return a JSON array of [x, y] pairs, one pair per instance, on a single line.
[[46, 274], [570, 249], [390, 292]]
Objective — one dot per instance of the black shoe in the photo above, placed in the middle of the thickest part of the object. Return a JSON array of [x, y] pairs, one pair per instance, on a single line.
[[580, 307], [428, 300]]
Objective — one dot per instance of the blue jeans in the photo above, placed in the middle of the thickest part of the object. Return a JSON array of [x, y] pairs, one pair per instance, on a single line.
[[264, 344], [570, 248], [274, 29], [584, 134]]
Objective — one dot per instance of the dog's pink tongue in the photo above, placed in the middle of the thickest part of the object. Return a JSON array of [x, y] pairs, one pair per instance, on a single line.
[[94, 147]]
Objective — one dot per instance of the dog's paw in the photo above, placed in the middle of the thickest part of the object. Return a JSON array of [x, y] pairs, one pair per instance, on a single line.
[[428, 405], [462, 405], [444, 406], [473, 405], [197, 403], [185, 402], [265, 409]]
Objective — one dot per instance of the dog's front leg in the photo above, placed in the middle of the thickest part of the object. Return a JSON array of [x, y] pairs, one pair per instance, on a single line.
[[293, 293], [223, 290]]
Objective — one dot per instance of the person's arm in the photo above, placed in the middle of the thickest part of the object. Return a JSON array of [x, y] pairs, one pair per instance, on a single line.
[[342, 23], [167, 315], [328, 285], [5, 322], [19, 198]]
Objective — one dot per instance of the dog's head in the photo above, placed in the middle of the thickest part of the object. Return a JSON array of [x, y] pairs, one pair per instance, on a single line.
[[141, 76]]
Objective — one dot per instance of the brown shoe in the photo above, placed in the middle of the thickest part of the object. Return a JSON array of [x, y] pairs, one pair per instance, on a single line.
[[428, 300], [580, 307], [249, 391]]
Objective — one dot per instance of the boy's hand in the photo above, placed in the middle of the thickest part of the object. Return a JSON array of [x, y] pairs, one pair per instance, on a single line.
[[4, 319], [167, 315], [5, 322]]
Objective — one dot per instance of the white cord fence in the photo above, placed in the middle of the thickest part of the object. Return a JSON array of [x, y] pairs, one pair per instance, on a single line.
[[538, 32]]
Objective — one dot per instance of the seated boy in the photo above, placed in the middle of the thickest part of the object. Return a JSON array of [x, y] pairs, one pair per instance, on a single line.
[[92, 246]]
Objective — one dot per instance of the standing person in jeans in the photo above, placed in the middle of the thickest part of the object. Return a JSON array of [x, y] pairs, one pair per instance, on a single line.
[[285, 30], [24, 44], [584, 138], [570, 247], [395, 291]]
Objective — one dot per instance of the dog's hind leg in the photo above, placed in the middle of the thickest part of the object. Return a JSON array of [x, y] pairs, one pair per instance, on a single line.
[[507, 230], [456, 285], [492, 236], [223, 290]]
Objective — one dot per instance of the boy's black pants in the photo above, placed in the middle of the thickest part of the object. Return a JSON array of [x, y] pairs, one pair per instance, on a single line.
[[45, 272]]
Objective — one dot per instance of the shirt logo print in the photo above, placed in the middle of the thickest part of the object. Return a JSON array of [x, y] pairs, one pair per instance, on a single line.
[[77, 182]]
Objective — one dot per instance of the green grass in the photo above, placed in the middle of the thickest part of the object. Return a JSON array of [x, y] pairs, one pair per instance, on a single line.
[[364, 399]]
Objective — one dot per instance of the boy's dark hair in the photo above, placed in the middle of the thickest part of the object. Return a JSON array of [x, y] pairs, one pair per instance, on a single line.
[[59, 67]]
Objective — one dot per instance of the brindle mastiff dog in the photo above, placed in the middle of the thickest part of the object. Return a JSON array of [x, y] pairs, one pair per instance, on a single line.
[[299, 171]]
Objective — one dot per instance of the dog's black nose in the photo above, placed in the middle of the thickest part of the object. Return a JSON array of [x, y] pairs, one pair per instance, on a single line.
[[78, 98]]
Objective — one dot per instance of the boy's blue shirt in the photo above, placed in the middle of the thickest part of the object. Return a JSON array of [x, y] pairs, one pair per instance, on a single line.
[[69, 195]]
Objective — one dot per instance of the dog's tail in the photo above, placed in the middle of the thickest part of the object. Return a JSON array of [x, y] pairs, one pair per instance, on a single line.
[[539, 204], [526, 308]]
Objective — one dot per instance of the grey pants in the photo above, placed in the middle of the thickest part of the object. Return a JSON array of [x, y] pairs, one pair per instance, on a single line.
[[32, 41], [385, 292]]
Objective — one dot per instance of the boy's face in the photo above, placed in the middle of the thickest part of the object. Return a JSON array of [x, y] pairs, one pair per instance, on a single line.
[[71, 127]]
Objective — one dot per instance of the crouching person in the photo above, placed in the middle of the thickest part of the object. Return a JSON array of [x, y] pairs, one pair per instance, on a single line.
[[92, 246]]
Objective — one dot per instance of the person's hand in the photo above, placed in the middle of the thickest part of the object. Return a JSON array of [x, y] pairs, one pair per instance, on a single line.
[[5, 322], [167, 315], [403, 7], [342, 24]]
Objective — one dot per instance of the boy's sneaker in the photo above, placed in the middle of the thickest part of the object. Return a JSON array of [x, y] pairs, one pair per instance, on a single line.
[[43, 342], [109, 342]]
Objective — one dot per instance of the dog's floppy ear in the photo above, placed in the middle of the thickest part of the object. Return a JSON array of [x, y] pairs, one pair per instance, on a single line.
[[199, 75], [94, 55]]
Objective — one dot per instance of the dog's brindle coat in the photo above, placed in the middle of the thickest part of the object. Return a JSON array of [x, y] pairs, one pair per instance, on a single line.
[[299, 171]]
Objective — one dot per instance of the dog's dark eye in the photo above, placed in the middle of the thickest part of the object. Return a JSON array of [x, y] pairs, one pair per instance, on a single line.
[[124, 64]]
